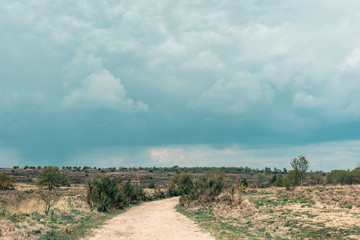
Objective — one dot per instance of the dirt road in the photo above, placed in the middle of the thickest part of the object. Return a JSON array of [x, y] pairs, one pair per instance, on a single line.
[[151, 221]]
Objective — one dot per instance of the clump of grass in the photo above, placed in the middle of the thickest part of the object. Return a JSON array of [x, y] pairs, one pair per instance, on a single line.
[[349, 206]]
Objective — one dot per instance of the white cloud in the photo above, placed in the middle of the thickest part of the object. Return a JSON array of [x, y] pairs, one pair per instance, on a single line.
[[352, 60], [101, 90], [325, 156], [236, 95], [206, 61], [166, 155], [80, 66], [304, 100]]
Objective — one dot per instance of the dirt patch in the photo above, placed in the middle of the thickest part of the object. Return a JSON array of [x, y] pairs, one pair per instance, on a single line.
[[151, 220]]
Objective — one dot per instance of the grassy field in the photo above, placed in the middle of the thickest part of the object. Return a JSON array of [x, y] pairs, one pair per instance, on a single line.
[[312, 212], [22, 214], [305, 213]]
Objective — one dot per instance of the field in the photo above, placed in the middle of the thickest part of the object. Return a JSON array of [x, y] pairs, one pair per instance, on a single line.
[[161, 176], [319, 212], [22, 214], [307, 212]]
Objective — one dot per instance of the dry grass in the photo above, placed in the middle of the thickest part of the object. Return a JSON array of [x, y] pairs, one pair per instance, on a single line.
[[340, 196], [22, 213], [321, 212]]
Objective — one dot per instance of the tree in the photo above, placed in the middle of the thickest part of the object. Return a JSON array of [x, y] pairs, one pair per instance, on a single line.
[[300, 166], [50, 177], [49, 198], [261, 178], [316, 178], [6, 182]]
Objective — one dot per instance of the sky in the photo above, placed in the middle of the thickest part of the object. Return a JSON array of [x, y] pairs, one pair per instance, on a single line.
[[188, 83]]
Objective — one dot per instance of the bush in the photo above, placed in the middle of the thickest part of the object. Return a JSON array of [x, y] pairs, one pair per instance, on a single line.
[[6, 182], [65, 181], [283, 182], [152, 185], [244, 182], [181, 183], [212, 183], [344, 177], [133, 193], [316, 179], [106, 194], [206, 189]]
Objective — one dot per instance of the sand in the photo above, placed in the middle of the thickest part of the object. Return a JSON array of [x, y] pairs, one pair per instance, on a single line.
[[155, 220]]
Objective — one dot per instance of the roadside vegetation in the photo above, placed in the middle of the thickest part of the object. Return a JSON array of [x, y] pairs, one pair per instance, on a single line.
[[52, 209], [261, 204], [281, 209]]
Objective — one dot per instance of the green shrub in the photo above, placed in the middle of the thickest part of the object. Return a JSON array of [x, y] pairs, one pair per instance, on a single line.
[[244, 182], [152, 185], [212, 183], [207, 188], [181, 183], [6, 182], [106, 194], [133, 193]]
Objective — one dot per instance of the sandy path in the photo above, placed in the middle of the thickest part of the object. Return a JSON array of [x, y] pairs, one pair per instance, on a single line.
[[151, 221]]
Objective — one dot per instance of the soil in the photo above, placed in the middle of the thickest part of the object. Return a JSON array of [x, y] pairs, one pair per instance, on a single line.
[[152, 220]]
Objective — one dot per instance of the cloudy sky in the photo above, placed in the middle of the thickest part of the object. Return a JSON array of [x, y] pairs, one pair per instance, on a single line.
[[190, 83]]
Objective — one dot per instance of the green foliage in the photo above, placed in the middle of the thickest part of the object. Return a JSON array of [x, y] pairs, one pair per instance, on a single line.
[[207, 188], [316, 178], [152, 185], [133, 193], [6, 182], [50, 177], [212, 183], [261, 178], [349, 206], [244, 182], [281, 181], [106, 194], [300, 165], [181, 183], [65, 181], [344, 177]]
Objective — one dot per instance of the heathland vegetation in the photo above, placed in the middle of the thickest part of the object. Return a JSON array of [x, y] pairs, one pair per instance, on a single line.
[[63, 203]]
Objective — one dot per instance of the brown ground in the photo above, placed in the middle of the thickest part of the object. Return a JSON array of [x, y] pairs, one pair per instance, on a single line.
[[152, 220]]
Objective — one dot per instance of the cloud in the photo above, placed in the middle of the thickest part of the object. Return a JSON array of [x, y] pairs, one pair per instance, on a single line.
[[325, 156], [352, 60], [166, 155], [101, 90], [211, 71], [304, 100], [236, 95]]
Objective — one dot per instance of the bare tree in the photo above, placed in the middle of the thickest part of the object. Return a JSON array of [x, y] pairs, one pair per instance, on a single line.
[[49, 198]]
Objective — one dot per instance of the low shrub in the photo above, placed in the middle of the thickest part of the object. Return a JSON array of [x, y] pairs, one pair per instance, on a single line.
[[106, 194], [181, 183], [6, 182], [206, 189]]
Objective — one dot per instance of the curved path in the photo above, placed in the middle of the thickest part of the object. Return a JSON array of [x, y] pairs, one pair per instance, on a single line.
[[151, 221]]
